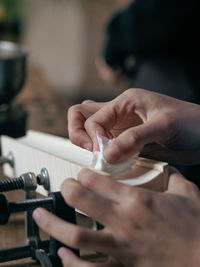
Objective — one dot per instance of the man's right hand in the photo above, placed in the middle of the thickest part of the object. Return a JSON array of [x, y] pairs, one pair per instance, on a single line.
[[156, 125], [141, 227]]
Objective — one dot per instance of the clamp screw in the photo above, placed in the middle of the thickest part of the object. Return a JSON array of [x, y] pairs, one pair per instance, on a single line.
[[27, 181]]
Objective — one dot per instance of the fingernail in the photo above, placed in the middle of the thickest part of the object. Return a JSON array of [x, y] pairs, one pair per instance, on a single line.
[[36, 214], [111, 153], [87, 146]]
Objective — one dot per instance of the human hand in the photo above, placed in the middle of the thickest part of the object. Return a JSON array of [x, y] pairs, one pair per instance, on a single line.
[[142, 228], [77, 116], [158, 126]]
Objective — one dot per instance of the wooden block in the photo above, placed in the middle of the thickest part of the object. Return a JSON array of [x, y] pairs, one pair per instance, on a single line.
[[62, 159]]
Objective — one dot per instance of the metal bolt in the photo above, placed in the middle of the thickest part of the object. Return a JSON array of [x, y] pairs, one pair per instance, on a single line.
[[30, 181], [27, 181], [43, 179]]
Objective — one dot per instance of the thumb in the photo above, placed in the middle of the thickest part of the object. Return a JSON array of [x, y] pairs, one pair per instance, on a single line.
[[134, 139], [180, 186]]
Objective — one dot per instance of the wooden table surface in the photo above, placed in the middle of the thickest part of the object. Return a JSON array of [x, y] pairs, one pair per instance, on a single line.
[[47, 113]]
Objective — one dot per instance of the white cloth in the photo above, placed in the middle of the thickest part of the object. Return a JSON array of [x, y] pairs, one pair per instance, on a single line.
[[99, 163]]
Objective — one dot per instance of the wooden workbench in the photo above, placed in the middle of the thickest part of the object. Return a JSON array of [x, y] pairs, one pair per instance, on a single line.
[[47, 113]]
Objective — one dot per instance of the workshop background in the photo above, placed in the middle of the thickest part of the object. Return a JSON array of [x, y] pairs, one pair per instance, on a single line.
[[63, 39]]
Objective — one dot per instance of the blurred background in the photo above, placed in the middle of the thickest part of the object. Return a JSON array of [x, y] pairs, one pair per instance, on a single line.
[[91, 49], [63, 39], [96, 49]]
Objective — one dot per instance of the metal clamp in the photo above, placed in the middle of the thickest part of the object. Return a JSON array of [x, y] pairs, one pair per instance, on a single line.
[[27, 181], [45, 251]]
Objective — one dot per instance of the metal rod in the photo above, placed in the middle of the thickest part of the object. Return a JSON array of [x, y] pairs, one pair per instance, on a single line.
[[11, 184], [21, 206], [15, 253], [20, 252]]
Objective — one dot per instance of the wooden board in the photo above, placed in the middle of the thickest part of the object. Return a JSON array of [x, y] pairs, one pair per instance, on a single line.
[[62, 159]]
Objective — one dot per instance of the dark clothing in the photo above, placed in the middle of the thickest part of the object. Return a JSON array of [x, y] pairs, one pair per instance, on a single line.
[[150, 27], [163, 37], [156, 28]]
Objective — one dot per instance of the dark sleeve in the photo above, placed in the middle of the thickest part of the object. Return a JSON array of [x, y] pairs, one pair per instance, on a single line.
[[149, 27]]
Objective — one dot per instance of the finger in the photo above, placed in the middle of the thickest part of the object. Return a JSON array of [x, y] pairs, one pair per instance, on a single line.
[[72, 235], [102, 185], [180, 186], [76, 129], [100, 123], [88, 101], [107, 117], [95, 206], [134, 139], [77, 115], [69, 259]]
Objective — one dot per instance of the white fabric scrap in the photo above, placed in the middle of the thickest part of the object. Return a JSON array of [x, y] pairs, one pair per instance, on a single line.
[[100, 164]]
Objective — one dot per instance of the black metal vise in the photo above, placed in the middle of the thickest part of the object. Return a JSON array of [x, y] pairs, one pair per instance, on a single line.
[[43, 251]]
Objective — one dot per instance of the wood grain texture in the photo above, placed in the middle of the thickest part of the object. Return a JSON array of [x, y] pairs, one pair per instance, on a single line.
[[62, 159]]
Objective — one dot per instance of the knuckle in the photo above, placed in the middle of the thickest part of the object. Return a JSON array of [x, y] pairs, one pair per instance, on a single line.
[[83, 172], [134, 138], [90, 182], [87, 101], [129, 92], [88, 123], [73, 109], [87, 178], [133, 92], [138, 90], [140, 199], [137, 198]]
